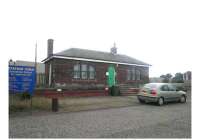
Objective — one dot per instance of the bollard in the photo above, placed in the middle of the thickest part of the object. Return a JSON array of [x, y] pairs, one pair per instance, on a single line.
[[54, 104]]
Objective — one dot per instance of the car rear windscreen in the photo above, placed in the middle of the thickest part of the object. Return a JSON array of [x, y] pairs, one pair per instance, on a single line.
[[151, 86]]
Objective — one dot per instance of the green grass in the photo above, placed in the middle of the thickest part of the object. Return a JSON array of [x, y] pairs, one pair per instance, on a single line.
[[38, 103]]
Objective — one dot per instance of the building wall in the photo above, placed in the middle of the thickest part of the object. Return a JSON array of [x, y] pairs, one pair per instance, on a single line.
[[62, 73]]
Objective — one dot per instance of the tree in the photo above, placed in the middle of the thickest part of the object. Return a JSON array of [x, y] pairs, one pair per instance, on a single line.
[[162, 76], [169, 76], [166, 78], [178, 78]]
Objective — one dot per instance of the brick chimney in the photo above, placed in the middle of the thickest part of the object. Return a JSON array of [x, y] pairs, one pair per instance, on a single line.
[[49, 47]]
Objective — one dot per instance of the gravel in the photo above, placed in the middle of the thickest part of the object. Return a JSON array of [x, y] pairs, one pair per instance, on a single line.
[[139, 121]]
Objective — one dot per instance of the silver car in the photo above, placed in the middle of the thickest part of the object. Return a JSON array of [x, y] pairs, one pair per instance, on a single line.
[[160, 93]]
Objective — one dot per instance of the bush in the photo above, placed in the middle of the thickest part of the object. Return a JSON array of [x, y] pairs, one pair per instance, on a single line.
[[25, 96]]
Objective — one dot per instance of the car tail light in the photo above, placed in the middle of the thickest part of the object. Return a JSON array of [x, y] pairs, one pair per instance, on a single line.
[[153, 92]]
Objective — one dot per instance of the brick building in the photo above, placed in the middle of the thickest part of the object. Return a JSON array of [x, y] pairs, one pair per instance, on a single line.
[[77, 68]]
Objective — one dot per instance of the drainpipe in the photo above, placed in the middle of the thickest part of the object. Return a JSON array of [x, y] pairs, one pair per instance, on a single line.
[[50, 74]]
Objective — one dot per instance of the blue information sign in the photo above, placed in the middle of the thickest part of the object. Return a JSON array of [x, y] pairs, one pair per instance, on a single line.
[[21, 79]]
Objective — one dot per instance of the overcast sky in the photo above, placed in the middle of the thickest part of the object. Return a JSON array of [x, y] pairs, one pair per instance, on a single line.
[[161, 33]]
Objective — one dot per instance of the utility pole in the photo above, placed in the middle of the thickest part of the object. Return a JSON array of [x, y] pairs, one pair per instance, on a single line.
[[36, 63], [35, 75]]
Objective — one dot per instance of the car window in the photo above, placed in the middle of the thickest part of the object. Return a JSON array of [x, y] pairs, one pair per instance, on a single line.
[[164, 88], [172, 88]]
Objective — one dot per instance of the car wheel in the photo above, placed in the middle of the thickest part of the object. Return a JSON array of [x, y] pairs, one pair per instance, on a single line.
[[182, 99], [160, 101]]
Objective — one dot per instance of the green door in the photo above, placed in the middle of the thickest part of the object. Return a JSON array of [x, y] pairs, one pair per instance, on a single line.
[[111, 76]]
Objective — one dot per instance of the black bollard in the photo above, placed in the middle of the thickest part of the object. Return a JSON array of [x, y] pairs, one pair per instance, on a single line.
[[54, 104]]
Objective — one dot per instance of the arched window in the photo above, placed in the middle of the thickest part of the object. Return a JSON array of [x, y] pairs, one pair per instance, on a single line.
[[76, 71], [84, 71], [138, 75], [128, 75], [91, 72], [133, 74]]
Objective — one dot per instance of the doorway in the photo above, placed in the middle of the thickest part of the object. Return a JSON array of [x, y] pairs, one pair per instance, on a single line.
[[111, 77]]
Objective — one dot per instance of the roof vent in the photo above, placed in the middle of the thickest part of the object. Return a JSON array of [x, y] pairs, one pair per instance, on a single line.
[[113, 50]]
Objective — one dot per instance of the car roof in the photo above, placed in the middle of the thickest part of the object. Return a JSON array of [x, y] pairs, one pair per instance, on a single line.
[[159, 84]]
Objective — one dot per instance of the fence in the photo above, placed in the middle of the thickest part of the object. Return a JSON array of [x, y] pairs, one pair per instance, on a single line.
[[41, 80]]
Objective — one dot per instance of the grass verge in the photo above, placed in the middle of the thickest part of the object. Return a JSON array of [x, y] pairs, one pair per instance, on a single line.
[[69, 104]]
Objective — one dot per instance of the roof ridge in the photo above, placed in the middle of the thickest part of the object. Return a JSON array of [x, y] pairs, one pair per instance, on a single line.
[[89, 50], [93, 51]]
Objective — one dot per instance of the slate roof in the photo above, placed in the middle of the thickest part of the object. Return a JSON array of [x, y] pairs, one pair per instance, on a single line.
[[98, 55]]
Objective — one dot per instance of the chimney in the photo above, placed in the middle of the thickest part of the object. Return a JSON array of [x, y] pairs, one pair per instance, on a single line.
[[113, 50], [49, 47]]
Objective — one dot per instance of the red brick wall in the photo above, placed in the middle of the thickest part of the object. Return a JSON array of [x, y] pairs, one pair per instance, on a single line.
[[52, 93], [63, 72]]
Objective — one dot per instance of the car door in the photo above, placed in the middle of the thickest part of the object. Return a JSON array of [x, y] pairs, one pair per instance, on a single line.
[[164, 92], [173, 93]]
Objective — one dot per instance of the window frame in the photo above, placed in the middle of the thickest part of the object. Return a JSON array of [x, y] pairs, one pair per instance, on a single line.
[[129, 75], [138, 74], [84, 72], [77, 71], [87, 71], [133, 74]]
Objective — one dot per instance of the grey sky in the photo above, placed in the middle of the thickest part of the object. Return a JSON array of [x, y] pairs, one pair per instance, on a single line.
[[161, 33]]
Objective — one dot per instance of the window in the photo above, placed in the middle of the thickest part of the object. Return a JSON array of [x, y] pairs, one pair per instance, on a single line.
[[76, 71], [84, 71], [91, 72], [128, 75], [164, 88], [172, 88], [133, 74], [138, 75], [151, 86]]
